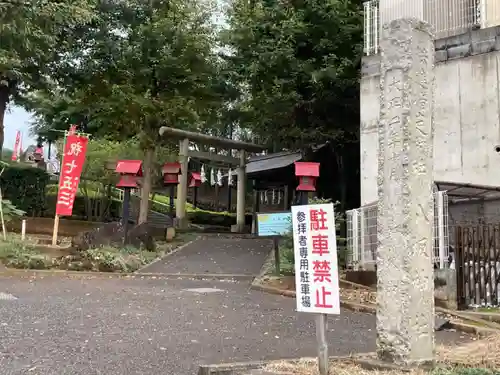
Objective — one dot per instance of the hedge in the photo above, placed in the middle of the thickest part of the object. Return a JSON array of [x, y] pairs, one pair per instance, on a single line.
[[25, 187]]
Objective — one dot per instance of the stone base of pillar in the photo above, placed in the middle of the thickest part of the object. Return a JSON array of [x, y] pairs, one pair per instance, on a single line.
[[181, 223], [378, 365], [238, 228]]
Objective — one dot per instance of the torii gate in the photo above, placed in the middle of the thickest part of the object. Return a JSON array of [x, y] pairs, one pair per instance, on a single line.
[[184, 153]]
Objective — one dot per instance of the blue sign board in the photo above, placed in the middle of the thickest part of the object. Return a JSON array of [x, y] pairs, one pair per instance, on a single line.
[[274, 224]]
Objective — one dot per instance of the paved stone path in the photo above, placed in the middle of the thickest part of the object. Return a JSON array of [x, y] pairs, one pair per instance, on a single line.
[[216, 256], [62, 326]]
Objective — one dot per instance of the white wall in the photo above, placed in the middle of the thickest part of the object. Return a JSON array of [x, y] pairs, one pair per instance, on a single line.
[[466, 123], [492, 11]]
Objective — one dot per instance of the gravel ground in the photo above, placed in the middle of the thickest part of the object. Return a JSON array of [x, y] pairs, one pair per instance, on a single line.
[[216, 256], [108, 326]]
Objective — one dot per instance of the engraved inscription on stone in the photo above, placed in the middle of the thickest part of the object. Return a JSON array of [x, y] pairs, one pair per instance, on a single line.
[[405, 209]]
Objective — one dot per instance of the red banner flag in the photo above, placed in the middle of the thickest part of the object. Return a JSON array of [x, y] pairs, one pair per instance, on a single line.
[[71, 169], [15, 153]]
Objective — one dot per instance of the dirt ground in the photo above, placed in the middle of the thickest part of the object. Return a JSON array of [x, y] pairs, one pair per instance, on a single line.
[[354, 295], [477, 354], [45, 226]]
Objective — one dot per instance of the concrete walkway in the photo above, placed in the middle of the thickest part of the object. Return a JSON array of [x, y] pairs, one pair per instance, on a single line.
[[59, 326], [214, 255]]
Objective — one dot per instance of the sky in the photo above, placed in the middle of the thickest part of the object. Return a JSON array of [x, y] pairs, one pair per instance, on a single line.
[[16, 119]]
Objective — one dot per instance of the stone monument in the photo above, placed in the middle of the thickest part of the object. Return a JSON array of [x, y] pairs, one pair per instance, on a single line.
[[405, 305]]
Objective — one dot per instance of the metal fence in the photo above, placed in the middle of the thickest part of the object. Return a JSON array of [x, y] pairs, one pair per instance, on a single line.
[[371, 27], [478, 265], [448, 17], [362, 234]]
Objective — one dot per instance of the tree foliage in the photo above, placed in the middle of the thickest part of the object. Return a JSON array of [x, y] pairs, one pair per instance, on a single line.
[[35, 37], [296, 63], [141, 65], [146, 64]]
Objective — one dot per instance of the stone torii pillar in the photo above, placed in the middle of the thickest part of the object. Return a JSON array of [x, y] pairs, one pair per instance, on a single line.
[[241, 194], [405, 287], [180, 207]]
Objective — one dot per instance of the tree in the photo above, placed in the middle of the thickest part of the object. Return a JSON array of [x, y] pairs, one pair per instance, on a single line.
[[35, 37], [297, 65], [144, 65]]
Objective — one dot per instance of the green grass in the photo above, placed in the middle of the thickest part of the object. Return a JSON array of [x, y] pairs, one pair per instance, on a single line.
[[163, 199], [95, 190], [24, 255], [488, 309]]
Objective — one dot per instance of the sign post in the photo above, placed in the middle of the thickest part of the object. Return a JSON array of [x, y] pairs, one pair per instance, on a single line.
[[75, 148], [316, 269], [315, 248]]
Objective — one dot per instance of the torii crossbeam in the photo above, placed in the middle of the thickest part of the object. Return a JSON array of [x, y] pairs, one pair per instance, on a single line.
[[184, 153]]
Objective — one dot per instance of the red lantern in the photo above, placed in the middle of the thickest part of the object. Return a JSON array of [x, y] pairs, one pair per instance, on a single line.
[[171, 172], [130, 171], [195, 180], [307, 172]]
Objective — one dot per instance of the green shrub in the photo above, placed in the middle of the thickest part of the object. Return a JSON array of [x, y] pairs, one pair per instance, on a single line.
[[10, 211], [111, 259], [208, 218], [21, 254], [30, 261], [25, 187]]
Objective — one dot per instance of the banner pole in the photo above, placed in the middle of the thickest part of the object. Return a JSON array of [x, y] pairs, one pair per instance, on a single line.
[[56, 229], [56, 217]]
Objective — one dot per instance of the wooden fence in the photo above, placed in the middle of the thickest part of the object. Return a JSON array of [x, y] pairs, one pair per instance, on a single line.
[[477, 259]]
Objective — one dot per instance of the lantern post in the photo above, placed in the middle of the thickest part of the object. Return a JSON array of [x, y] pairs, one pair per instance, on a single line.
[[195, 182], [171, 173], [130, 173], [308, 173]]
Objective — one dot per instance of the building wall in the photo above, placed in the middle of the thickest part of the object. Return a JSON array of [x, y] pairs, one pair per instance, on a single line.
[[492, 10], [466, 112]]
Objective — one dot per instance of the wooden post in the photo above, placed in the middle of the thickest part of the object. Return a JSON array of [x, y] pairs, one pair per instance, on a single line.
[[240, 193], [286, 198], [56, 229], [277, 259], [180, 209], [195, 197], [171, 198], [125, 214], [216, 198], [23, 230]]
